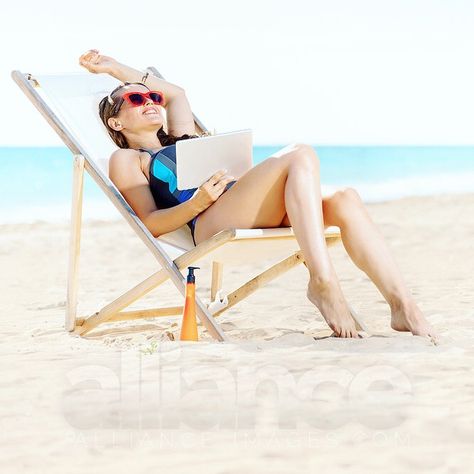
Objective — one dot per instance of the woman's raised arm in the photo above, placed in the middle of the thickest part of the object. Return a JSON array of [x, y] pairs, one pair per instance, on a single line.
[[179, 117], [98, 63]]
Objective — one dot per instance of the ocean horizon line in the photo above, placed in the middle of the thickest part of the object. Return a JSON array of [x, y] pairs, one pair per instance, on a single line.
[[35, 182]]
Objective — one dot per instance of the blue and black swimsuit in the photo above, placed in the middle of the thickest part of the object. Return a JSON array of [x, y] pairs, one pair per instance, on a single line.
[[163, 182]]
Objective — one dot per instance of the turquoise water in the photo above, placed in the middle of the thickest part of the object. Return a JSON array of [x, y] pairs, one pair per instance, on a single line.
[[35, 183]]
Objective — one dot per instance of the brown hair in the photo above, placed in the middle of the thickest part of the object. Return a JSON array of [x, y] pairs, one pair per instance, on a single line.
[[108, 110]]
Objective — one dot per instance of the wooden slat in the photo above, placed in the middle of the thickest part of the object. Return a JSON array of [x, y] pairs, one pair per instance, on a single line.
[[74, 241], [261, 280], [124, 300], [204, 248], [138, 314], [216, 282], [148, 313]]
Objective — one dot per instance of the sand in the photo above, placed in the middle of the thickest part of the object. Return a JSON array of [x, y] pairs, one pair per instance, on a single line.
[[274, 399]]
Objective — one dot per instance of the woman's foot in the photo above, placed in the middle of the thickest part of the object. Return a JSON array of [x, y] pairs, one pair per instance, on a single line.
[[329, 300], [408, 317]]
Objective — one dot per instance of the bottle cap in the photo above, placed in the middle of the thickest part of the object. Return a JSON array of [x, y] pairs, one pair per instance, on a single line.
[[191, 278]]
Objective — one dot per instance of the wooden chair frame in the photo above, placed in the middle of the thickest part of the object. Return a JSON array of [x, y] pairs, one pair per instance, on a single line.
[[170, 269]]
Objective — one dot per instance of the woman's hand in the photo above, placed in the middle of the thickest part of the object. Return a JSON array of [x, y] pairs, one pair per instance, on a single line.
[[97, 63], [209, 192]]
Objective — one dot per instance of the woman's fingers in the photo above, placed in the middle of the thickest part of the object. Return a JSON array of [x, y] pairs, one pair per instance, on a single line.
[[91, 60], [226, 178], [216, 177], [85, 56], [216, 189], [90, 56], [91, 52], [223, 182], [216, 184]]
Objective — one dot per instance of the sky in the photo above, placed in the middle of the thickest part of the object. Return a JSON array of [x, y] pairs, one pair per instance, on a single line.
[[334, 72]]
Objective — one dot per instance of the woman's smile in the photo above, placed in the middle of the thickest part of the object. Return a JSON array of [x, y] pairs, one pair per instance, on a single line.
[[150, 111]]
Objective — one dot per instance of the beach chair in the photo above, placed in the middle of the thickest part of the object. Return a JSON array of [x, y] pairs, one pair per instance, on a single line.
[[69, 103]]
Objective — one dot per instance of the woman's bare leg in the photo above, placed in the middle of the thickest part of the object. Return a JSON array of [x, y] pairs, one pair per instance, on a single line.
[[366, 247], [368, 250], [286, 184]]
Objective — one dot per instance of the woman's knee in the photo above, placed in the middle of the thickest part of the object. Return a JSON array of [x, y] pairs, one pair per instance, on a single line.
[[345, 198], [304, 155], [342, 203]]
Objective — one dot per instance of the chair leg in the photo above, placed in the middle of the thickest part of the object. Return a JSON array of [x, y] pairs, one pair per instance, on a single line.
[[216, 283], [74, 242]]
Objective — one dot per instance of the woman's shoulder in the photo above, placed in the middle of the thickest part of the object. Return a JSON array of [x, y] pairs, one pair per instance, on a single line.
[[124, 153], [126, 160], [124, 157], [127, 164]]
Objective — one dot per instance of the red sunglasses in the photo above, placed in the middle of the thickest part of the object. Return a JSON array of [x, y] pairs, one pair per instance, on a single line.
[[136, 99]]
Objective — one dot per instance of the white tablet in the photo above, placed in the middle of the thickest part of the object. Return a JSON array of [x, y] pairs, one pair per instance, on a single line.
[[197, 159]]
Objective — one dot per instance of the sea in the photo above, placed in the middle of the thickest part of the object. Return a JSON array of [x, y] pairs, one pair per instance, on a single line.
[[36, 183]]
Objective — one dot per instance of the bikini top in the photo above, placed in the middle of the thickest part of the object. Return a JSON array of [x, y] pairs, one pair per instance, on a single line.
[[163, 180]]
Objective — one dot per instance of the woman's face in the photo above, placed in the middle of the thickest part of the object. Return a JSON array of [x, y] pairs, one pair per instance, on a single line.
[[134, 119]]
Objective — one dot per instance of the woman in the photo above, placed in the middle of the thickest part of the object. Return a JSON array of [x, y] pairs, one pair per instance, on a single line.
[[283, 190]]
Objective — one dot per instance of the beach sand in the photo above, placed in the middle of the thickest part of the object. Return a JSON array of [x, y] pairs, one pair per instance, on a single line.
[[274, 399]]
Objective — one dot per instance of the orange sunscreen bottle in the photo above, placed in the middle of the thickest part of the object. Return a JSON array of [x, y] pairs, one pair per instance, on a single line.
[[189, 331]]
